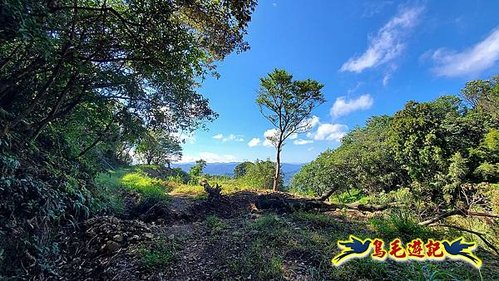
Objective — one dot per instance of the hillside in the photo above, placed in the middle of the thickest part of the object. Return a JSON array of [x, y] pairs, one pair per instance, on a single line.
[[245, 235], [227, 169], [391, 106]]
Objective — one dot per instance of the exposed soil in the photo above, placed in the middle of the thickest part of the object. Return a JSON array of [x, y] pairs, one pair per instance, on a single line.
[[108, 248]]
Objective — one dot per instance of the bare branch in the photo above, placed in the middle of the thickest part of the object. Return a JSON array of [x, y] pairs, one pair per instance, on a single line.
[[480, 235]]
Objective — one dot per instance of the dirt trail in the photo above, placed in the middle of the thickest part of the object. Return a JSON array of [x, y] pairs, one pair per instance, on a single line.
[[108, 248], [244, 236], [185, 239]]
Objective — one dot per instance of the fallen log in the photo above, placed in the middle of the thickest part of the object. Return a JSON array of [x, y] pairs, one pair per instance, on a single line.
[[286, 203], [326, 195]]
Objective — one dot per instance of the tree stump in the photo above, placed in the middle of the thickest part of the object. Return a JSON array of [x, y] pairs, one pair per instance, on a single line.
[[214, 193]]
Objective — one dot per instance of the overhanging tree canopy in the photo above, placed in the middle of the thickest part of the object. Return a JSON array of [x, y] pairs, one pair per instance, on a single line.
[[138, 60]]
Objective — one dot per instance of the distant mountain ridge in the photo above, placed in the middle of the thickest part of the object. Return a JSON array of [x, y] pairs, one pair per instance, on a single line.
[[227, 169]]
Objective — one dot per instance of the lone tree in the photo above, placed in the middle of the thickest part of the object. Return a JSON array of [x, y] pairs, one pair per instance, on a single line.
[[159, 148], [197, 169], [287, 104], [242, 169]]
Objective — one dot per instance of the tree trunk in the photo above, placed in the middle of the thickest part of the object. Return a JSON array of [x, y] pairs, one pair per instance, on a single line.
[[326, 195], [275, 185], [99, 138]]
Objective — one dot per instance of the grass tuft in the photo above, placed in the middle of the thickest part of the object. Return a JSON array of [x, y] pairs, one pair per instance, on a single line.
[[215, 224], [160, 254]]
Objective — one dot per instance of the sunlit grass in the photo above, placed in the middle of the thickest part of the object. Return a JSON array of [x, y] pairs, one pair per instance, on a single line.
[[114, 183], [349, 196], [145, 185], [228, 186]]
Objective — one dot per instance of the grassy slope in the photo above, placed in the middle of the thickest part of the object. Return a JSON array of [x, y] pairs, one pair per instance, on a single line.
[[297, 246]]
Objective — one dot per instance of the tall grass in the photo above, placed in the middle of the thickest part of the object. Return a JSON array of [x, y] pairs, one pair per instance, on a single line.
[[114, 185]]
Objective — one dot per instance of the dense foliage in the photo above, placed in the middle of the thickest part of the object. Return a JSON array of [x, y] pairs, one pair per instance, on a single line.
[[197, 170], [364, 159], [159, 149], [85, 84], [242, 169], [443, 151], [261, 175]]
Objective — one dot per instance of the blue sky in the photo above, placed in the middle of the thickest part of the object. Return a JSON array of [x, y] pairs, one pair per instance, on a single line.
[[372, 57]]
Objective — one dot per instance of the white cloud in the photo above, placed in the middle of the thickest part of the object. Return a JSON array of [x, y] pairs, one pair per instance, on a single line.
[[389, 73], [254, 142], [343, 106], [213, 157], [269, 134], [473, 60], [293, 136], [387, 44], [267, 143], [312, 121], [302, 142], [209, 157], [231, 137], [386, 78], [332, 132], [309, 123]]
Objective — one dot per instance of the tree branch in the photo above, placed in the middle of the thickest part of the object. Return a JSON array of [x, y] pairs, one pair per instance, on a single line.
[[442, 216], [480, 235]]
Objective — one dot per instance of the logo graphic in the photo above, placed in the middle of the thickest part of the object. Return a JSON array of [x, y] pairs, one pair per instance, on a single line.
[[416, 249], [352, 248]]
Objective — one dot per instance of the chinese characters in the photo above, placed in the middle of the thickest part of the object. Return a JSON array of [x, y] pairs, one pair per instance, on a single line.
[[416, 249]]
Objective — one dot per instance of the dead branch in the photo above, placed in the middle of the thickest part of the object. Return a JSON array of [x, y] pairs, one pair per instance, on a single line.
[[442, 216], [326, 195], [480, 235], [478, 214], [460, 212], [279, 202]]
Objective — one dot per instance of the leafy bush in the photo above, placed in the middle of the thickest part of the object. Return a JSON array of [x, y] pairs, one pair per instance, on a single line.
[[116, 185], [39, 191], [434, 149], [242, 169], [261, 175], [109, 193]]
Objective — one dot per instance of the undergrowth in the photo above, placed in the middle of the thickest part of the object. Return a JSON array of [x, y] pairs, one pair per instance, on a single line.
[[161, 253]]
